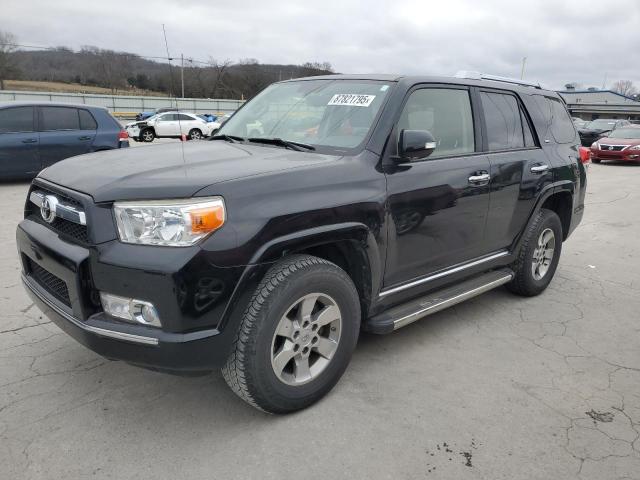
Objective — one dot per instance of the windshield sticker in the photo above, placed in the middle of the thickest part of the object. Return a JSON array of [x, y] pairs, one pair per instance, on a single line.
[[351, 99], [384, 88]]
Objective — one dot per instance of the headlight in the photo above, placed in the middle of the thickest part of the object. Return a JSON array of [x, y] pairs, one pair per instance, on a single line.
[[635, 147], [175, 223], [595, 145]]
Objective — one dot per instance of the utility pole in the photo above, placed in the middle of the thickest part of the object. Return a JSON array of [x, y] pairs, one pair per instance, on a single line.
[[524, 61], [604, 82], [182, 72]]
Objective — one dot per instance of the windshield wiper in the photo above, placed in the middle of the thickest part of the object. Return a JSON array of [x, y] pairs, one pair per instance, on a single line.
[[227, 138], [283, 143]]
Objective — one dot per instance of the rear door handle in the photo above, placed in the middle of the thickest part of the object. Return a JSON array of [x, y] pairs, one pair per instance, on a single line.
[[84, 138], [539, 168], [480, 178], [29, 140]]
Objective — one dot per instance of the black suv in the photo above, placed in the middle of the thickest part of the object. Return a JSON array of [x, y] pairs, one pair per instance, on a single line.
[[359, 203]]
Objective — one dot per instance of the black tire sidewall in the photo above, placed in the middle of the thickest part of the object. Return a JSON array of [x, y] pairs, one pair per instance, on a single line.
[[326, 279], [192, 131]]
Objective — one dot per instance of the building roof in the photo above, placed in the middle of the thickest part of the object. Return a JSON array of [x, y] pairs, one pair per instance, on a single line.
[[593, 97]]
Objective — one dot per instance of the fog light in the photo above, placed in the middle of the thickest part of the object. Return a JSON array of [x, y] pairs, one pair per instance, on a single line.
[[130, 309]]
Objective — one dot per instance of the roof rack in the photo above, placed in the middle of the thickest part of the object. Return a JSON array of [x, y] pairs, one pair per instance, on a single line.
[[496, 78]]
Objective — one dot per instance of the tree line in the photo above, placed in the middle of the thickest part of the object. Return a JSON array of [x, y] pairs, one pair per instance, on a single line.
[[123, 71]]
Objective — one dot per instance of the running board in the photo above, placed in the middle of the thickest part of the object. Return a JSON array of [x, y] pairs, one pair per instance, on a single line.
[[402, 315]]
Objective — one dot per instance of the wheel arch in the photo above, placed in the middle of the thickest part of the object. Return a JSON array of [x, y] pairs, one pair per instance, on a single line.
[[561, 203], [557, 197], [351, 246]]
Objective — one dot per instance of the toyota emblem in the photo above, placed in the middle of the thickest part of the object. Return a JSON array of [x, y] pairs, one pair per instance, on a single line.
[[610, 148], [48, 208]]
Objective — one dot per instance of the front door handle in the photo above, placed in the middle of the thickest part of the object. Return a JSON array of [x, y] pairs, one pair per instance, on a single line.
[[480, 179], [84, 138], [539, 168], [29, 140]]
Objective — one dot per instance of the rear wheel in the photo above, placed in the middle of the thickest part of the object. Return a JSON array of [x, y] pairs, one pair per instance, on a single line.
[[538, 256], [296, 337], [147, 135]]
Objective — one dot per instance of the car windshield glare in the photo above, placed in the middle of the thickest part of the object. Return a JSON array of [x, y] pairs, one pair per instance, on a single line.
[[325, 113], [626, 133]]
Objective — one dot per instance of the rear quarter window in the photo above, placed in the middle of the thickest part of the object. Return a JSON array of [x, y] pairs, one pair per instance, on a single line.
[[562, 127], [87, 122]]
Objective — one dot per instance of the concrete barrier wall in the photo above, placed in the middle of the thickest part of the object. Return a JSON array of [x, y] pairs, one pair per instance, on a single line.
[[125, 105]]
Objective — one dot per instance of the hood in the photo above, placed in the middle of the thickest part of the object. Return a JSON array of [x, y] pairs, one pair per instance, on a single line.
[[619, 141], [593, 131], [175, 170]]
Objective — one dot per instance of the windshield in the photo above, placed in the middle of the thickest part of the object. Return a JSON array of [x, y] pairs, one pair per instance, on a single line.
[[629, 133], [329, 113], [602, 124]]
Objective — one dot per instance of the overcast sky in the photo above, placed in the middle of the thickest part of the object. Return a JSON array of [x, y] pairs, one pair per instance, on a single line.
[[563, 40]]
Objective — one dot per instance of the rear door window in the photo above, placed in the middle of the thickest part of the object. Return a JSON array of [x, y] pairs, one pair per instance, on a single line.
[[59, 118], [503, 119], [18, 119], [87, 122]]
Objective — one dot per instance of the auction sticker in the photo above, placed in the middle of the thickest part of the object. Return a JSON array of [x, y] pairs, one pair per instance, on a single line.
[[351, 99]]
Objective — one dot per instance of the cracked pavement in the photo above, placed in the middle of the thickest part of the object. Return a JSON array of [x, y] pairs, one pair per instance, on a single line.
[[499, 387]]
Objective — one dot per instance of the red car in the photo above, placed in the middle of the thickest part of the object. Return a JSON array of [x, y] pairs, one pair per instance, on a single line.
[[621, 144]]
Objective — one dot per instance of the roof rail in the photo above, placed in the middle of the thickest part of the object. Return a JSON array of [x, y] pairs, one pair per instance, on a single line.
[[496, 78]]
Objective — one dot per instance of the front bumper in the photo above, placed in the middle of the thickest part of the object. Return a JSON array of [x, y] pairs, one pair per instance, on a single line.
[[175, 353], [621, 155], [133, 132], [191, 297]]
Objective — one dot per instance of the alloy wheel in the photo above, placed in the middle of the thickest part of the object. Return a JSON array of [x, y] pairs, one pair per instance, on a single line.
[[543, 254], [306, 339]]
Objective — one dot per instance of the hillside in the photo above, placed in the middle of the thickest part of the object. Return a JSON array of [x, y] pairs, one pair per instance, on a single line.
[[104, 71], [60, 87]]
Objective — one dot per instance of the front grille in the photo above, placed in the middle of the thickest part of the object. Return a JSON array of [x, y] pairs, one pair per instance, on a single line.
[[608, 148], [51, 283], [69, 229]]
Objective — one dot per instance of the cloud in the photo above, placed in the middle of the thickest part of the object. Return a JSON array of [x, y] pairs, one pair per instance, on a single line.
[[563, 40]]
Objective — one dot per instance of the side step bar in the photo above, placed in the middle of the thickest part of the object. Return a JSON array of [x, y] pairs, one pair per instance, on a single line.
[[402, 315]]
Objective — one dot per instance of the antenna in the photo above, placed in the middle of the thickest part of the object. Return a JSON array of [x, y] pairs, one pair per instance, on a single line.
[[166, 44], [182, 136]]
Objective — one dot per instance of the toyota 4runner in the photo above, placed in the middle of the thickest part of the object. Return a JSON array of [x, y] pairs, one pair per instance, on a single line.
[[363, 203]]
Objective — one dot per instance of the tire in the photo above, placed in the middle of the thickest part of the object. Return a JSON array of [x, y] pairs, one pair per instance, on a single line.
[[596, 160], [253, 368], [195, 134], [147, 135], [530, 277]]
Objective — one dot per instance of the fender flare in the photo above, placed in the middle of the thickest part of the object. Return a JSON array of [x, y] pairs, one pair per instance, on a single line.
[[549, 190], [269, 253]]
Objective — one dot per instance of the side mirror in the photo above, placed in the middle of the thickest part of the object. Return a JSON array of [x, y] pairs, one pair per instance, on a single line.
[[415, 144]]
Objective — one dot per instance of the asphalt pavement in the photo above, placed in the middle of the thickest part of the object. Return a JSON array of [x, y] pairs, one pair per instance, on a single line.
[[499, 387]]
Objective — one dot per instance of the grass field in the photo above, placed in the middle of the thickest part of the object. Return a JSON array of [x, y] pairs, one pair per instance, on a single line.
[[33, 86]]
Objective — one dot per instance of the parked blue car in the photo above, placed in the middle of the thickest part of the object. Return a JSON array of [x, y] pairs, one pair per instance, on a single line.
[[144, 115], [36, 135]]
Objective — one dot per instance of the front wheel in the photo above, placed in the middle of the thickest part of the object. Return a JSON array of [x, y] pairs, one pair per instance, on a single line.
[[538, 256], [147, 135], [296, 336], [596, 160]]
